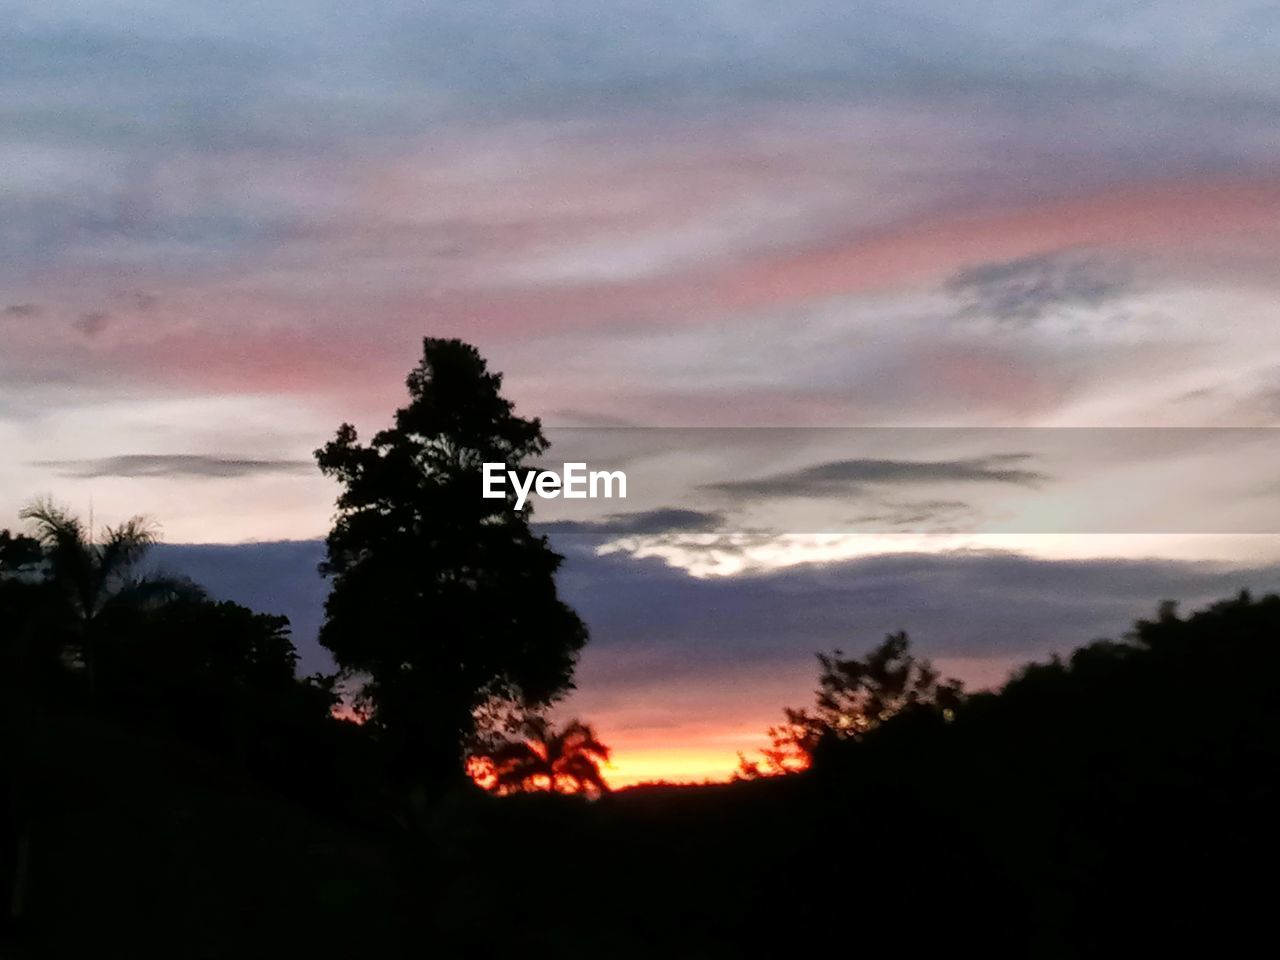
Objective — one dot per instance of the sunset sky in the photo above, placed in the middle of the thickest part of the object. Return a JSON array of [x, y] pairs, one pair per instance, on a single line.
[[226, 227]]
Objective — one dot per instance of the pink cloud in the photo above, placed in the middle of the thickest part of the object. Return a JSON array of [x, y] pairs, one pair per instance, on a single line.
[[1165, 219], [506, 237]]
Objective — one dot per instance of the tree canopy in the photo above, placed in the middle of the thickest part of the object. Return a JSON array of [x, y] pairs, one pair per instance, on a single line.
[[854, 697], [442, 601]]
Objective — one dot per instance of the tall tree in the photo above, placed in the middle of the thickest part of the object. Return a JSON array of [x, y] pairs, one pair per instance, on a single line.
[[443, 601]]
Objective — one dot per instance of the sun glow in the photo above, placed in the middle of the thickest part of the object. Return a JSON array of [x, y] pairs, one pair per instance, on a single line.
[[671, 765]]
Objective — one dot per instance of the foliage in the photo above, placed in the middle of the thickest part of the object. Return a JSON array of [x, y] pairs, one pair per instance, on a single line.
[[24, 648], [94, 580], [79, 617], [855, 697], [564, 760], [18, 553], [443, 601]]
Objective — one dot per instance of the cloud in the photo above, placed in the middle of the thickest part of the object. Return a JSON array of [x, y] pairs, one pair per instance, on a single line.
[[662, 520], [93, 323], [174, 465], [23, 311], [676, 661], [141, 300], [931, 515], [650, 621], [845, 477], [1024, 290], [968, 603], [286, 191]]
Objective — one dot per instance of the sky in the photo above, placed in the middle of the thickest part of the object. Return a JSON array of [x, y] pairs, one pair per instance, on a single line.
[[225, 229]]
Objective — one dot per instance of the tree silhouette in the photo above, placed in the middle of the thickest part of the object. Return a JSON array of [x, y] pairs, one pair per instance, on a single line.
[[20, 590], [18, 553], [854, 697], [26, 648], [566, 760], [858, 695], [442, 601], [91, 580]]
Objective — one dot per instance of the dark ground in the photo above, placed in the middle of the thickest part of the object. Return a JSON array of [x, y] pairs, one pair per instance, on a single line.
[[1123, 803]]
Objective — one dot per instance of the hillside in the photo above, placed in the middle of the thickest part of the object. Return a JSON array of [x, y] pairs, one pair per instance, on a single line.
[[145, 847]]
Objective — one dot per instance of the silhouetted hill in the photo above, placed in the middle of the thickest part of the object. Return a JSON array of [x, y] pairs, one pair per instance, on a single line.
[[142, 846], [1120, 802]]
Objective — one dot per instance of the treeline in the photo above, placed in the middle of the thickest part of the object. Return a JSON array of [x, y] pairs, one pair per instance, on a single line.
[[84, 627], [1122, 799]]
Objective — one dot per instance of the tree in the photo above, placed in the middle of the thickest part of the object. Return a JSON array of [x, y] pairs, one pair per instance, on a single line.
[[24, 651], [19, 599], [853, 698], [91, 580], [443, 601], [20, 587], [18, 553], [224, 676], [560, 761], [200, 656]]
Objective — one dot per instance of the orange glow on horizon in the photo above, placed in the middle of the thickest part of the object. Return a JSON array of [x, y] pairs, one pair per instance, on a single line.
[[641, 763], [670, 764], [707, 747]]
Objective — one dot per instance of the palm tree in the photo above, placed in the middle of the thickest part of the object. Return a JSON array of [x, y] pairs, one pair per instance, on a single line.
[[560, 761], [91, 579], [88, 580]]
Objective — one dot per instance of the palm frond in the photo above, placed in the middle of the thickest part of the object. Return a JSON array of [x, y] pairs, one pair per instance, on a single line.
[[583, 773], [124, 546], [567, 759], [577, 737], [93, 576], [55, 526], [71, 560]]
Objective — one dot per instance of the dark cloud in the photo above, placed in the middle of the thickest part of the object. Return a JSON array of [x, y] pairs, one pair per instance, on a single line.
[[844, 477], [93, 323], [22, 311], [143, 300], [173, 465], [577, 419], [965, 604], [1024, 290], [933, 515], [651, 623], [1259, 399], [663, 520]]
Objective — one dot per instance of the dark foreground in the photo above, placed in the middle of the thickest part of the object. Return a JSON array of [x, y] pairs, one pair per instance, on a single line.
[[1121, 803]]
